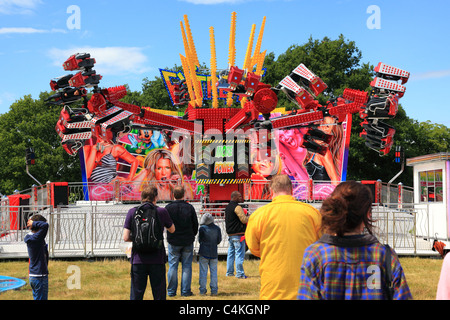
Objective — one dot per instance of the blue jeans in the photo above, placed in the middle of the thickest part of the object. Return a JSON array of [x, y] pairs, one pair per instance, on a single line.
[[185, 255], [203, 267], [236, 253], [39, 285]]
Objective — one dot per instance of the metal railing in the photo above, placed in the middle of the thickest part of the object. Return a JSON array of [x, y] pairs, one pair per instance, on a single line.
[[96, 230], [405, 227], [13, 220], [87, 230]]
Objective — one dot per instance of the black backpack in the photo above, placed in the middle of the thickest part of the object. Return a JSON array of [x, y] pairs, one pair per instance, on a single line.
[[146, 230]]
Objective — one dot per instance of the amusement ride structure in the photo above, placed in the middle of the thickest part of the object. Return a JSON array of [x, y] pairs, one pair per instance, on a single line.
[[103, 114]]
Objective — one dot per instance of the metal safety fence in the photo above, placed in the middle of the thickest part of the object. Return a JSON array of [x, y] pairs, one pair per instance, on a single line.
[[87, 230], [96, 230], [404, 227]]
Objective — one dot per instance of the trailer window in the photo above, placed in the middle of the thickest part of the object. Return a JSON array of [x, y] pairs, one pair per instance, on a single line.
[[431, 186]]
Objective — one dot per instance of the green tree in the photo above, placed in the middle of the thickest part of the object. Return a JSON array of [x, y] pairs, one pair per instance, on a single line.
[[31, 123]]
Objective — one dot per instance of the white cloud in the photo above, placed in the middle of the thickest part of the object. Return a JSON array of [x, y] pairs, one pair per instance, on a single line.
[[27, 30], [18, 6], [431, 75], [109, 60]]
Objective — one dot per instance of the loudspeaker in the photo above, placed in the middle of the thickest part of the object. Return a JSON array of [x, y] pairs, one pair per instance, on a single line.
[[372, 184], [59, 194]]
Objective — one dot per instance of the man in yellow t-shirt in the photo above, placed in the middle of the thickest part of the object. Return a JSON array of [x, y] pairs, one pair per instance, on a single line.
[[279, 233]]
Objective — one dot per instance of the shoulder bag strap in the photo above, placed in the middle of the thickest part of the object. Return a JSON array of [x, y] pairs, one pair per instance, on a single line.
[[389, 289]]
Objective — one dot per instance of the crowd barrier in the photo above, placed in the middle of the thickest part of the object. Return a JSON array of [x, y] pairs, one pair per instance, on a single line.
[[95, 229], [81, 227]]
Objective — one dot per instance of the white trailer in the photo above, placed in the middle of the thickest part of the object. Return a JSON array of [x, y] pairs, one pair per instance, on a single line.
[[432, 188]]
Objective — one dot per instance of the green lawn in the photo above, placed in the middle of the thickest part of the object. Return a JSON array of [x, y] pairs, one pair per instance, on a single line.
[[110, 280]]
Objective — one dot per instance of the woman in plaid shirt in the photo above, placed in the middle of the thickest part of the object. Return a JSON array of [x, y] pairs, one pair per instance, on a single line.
[[346, 264]]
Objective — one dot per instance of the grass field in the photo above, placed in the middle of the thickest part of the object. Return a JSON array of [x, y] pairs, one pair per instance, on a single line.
[[110, 280]]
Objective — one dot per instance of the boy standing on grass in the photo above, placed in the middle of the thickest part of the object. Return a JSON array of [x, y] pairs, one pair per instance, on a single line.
[[209, 236], [38, 253]]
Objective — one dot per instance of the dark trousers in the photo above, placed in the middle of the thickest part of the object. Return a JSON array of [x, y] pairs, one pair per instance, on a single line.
[[139, 275]]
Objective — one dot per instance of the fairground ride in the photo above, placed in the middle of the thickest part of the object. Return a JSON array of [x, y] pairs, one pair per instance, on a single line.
[[224, 135]]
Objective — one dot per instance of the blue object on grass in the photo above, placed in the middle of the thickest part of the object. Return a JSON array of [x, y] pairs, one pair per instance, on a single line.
[[10, 283]]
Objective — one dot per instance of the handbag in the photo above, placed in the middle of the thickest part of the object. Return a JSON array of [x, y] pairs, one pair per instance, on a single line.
[[388, 287]]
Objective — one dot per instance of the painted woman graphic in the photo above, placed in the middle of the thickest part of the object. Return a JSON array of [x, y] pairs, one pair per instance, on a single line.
[[327, 167], [102, 163], [163, 169], [102, 160]]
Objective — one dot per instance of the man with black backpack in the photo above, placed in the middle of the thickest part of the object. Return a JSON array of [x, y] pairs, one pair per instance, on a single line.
[[144, 226]]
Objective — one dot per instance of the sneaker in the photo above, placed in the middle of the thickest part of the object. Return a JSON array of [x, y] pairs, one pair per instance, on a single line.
[[242, 277]]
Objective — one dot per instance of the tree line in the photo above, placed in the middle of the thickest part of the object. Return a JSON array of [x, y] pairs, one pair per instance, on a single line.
[[31, 122]]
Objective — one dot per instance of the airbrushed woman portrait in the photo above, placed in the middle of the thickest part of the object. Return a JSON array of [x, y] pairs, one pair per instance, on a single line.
[[293, 154], [102, 164], [102, 159], [327, 167], [163, 169], [263, 169]]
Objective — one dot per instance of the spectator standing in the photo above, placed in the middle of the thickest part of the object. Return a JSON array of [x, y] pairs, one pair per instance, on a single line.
[[443, 289], [38, 254], [235, 225], [148, 265], [209, 236], [181, 243], [347, 264], [278, 233]]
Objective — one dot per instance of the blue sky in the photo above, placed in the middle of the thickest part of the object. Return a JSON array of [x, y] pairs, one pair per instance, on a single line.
[[132, 39]]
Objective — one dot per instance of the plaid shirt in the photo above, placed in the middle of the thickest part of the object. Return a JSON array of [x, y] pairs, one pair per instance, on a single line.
[[349, 268]]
